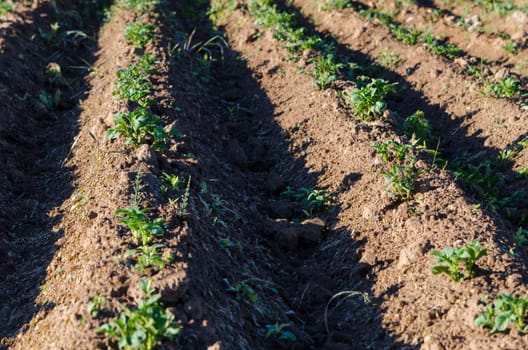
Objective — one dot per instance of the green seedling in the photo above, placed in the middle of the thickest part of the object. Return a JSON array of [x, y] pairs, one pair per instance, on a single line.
[[389, 59], [521, 237], [96, 305], [50, 101], [227, 245], [200, 53], [278, 331], [470, 255], [502, 7], [511, 47], [147, 63], [402, 180], [325, 70], [139, 34], [375, 13], [417, 127], [216, 209], [369, 101], [140, 127], [313, 201], [440, 48], [244, 291], [142, 327], [477, 71], [407, 35], [5, 7], [504, 88], [141, 6], [133, 84], [143, 229], [337, 4], [401, 177], [182, 208], [505, 310], [171, 181], [487, 182], [392, 150], [148, 257], [448, 260]]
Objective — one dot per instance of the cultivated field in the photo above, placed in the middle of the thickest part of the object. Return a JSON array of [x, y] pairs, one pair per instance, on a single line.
[[258, 174]]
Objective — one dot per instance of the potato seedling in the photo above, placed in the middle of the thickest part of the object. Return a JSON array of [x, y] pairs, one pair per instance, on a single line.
[[138, 127], [417, 127], [96, 305], [337, 4], [141, 6], [325, 70], [5, 7], [389, 59], [400, 176], [133, 84], [277, 332], [244, 291], [521, 237], [139, 34], [448, 260], [440, 48], [147, 63], [147, 257], [142, 327], [374, 13], [511, 47], [50, 101], [313, 201], [486, 181], [392, 150], [402, 180], [505, 310], [408, 36], [504, 88], [325, 65], [368, 101], [143, 229], [502, 7]]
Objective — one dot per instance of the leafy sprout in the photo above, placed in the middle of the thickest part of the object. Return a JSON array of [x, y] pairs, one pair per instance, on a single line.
[[448, 260], [144, 326], [139, 34]]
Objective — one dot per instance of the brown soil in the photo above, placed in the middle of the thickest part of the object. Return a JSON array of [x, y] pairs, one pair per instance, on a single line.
[[252, 126], [485, 43]]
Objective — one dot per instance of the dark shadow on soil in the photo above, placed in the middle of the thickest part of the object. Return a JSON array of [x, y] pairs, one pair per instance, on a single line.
[[37, 131], [242, 157]]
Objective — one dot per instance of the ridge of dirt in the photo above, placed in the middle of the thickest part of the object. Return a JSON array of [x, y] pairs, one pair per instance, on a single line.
[[34, 143], [471, 41], [510, 24]]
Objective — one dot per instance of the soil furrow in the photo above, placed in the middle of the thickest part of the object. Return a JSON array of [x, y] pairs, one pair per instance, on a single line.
[[34, 141]]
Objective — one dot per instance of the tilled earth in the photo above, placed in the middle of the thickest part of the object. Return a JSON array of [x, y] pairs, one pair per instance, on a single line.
[[252, 126]]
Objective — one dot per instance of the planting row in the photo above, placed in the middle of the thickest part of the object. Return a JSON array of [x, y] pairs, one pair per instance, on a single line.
[[367, 100]]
